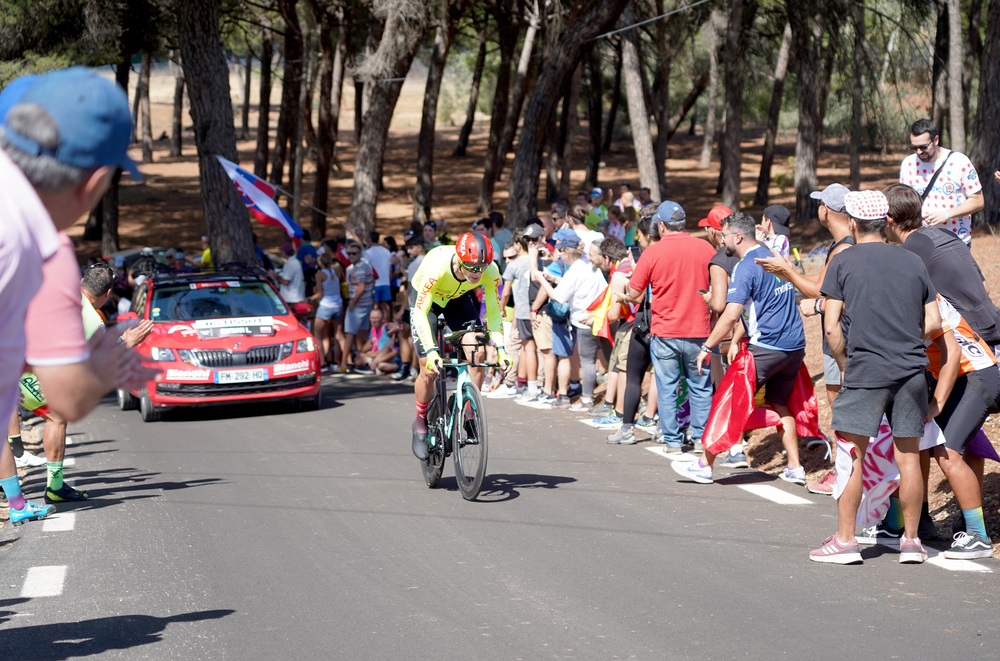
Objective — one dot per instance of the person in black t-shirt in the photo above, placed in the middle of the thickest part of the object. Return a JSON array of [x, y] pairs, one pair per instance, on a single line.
[[893, 308]]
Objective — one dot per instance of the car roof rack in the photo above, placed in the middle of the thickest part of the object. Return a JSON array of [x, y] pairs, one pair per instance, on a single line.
[[237, 269]]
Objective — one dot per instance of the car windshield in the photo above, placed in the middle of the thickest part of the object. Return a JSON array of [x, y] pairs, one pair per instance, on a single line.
[[214, 300]]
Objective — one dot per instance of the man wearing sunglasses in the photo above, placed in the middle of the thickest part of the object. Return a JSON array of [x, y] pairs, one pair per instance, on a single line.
[[445, 284], [946, 181]]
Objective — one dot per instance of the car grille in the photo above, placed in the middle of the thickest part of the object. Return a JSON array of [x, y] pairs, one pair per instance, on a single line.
[[234, 389], [225, 358]]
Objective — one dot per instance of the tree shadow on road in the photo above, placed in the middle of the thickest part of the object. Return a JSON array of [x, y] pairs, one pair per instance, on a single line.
[[67, 640], [115, 494], [500, 488]]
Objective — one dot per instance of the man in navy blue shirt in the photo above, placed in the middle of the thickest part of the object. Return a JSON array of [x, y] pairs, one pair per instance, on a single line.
[[777, 340]]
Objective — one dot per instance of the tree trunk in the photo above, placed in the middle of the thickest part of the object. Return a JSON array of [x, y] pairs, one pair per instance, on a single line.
[[594, 115], [143, 94], [245, 118], [616, 94], [664, 54], [470, 115], [729, 149], [264, 102], [93, 230], [956, 111], [521, 83], [638, 114], [777, 93], [325, 138], [571, 120], [207, 76], [359, 113], [397, 48], [696, 91], [560, 61], [715, 24], [939, 92], [501, 99], [974, 49], [109, 203], [423, 192], [291, 90], [857, 109], [985, 152], [177, 128], [305, 108], [552, 149], [806, 45], [337, 87]]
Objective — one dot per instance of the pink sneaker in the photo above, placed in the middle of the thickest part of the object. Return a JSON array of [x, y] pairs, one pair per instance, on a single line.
[[836, 552], [825, 486], [911, 551]]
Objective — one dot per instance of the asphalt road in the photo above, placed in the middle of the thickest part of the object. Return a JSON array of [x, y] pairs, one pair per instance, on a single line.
[[263, 533]]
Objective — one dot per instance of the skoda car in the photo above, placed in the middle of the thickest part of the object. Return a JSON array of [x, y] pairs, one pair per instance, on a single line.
[[222, 336]]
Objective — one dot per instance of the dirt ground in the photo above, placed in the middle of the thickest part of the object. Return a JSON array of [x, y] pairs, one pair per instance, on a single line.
[[165, 210]]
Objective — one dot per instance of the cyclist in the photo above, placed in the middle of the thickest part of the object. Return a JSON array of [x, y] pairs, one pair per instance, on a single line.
[[445, 284]]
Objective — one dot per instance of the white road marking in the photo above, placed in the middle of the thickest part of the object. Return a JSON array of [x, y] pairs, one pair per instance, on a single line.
[[44, 581], [935, 557], [59, 522], [672, 456], [774, 494], [69, 462]]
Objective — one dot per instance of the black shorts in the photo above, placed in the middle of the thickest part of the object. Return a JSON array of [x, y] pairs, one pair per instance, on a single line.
[[966, 410], [459, 313], [777, 369], [524, 329]]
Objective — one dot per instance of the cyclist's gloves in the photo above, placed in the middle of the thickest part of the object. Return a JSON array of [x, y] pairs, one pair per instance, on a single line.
[[505, 362], [434, 362]]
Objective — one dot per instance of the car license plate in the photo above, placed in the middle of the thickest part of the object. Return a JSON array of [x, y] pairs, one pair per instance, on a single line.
[[241, 376]]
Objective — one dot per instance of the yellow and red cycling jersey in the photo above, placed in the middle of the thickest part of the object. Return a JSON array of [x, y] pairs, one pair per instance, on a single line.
[[435, 283]]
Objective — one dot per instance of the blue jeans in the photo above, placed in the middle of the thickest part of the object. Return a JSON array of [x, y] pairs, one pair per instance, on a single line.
[[672, 359]]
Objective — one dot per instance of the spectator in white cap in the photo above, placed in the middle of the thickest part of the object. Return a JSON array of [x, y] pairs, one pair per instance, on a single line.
[[833, 216], [893, 308]]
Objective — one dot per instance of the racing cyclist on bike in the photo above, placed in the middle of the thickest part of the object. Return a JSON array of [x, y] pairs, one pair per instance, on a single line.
[[444, 284]]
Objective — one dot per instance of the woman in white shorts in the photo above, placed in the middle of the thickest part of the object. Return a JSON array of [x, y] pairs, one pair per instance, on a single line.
[[330, 309]]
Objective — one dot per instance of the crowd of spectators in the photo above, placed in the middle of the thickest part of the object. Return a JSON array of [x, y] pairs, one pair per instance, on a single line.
[[610, 288]]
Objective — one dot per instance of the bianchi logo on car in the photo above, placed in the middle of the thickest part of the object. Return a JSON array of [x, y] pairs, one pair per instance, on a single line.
[[288, 368], [188, 375]]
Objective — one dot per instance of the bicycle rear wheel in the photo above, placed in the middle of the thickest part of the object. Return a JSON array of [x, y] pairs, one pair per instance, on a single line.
[[470, 443], [433, 466]]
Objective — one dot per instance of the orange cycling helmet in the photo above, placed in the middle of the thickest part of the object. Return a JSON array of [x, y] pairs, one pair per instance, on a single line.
[[474, 250]]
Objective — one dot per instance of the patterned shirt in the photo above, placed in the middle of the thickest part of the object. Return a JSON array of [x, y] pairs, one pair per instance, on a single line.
[[956, 183]]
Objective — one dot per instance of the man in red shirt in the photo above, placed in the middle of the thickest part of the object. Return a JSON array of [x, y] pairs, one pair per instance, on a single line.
[[675, 268]]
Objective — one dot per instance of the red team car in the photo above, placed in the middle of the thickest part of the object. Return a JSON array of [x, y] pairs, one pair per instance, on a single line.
[[220, 337]]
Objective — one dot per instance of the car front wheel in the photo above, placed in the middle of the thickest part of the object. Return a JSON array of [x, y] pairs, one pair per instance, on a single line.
[[127, 401], [148, 412]]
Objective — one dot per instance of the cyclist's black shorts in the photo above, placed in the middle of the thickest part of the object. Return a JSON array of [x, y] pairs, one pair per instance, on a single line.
[[458, 314]]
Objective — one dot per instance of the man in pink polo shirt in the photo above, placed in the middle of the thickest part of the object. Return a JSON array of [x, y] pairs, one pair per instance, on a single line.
[[62, 135]]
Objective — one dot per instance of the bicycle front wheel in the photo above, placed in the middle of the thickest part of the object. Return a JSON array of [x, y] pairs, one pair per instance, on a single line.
[[470, 443]]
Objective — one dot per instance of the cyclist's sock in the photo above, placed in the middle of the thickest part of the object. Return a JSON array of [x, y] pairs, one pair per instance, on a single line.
[[422, 409], [974, 524], [894, 517], [12, 487], [55, 481], [16, 445]]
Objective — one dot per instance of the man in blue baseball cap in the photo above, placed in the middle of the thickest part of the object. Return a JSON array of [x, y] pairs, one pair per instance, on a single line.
[[63, 135]]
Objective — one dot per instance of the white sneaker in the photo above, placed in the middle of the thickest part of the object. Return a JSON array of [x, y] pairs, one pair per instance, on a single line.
[[28, 460], [503, 392]]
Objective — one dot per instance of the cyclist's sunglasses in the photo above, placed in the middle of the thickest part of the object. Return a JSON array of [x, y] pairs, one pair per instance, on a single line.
[[474, 268]]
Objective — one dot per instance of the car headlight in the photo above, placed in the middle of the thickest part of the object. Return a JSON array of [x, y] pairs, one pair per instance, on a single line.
[[162, 355], [305, 344], [286, 350], [186, 355]]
